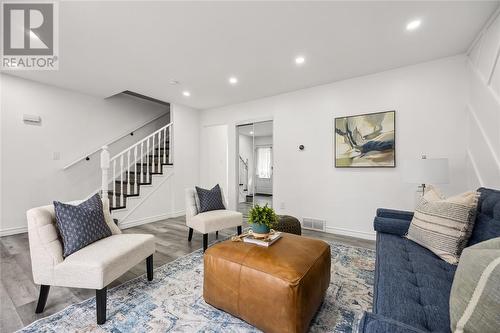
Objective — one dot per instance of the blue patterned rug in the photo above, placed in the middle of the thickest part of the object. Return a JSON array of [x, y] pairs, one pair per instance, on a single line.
[[173, 301]]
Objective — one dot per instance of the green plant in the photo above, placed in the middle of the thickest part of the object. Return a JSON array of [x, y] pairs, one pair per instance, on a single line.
[[262, 215]]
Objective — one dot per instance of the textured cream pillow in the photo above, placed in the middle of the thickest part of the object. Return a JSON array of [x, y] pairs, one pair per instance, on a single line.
[[475, 293], [444, 225]]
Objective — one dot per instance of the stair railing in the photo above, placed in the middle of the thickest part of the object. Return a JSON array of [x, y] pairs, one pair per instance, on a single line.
[[244, 165], [143, 158]]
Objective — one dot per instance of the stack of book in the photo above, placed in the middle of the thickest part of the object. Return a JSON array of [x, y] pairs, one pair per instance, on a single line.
[[267, 241]]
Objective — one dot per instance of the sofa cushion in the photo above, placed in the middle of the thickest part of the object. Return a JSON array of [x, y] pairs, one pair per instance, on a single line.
[[487, 223], [475, 294], [412, 284], [209, 199], [444, 226], [80, 225], [99, 263]]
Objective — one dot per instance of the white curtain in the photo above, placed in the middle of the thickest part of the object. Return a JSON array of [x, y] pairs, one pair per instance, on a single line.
[[264, 162]]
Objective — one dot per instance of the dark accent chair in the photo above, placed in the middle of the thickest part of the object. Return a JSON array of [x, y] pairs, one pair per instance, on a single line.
[[412, 285]]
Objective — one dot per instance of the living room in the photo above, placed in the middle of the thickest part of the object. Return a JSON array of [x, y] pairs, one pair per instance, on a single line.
[[357, 143]]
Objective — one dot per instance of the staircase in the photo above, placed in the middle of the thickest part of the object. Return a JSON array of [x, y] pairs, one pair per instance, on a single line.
[[125, 173]]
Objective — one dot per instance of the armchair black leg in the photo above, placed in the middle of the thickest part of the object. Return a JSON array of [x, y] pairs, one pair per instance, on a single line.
[[100, 299], [149, 267], [190, 235], [205, 242], [42, 299], [239, 229]]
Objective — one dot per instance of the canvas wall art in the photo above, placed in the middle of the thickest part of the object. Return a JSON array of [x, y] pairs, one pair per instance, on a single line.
[[367, 140]]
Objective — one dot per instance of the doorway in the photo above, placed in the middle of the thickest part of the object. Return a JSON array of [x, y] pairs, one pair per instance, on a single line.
[[255, 165]]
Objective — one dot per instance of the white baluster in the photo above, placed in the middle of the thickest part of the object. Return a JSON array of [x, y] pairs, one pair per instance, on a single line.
[[159, 152], [122, 199], [113, 182], [170, 147], [142, 161], [129, 185], [148, 157], [136, 181], [165, 145]]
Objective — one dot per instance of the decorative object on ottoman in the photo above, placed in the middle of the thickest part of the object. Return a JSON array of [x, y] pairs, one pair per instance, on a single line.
[[276, 289], [475, 293], [261, 219], [209, 221], [289, 224]]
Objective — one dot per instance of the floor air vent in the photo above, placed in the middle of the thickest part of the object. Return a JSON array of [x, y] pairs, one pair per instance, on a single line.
[[314, 224]]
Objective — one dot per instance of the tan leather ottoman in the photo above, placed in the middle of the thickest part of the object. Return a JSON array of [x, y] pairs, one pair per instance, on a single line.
[[276, 289]]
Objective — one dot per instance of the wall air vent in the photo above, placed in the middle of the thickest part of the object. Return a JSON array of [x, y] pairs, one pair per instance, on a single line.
[[313, 224]]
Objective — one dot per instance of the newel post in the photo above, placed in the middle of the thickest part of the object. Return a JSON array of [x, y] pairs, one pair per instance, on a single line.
[[104, 172]]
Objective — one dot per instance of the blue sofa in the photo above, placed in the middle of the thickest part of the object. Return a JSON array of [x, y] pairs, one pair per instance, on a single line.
[[412, 285]]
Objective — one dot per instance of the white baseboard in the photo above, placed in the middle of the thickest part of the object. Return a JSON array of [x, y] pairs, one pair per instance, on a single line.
[[13, 231], [351, 233], [149, 219]]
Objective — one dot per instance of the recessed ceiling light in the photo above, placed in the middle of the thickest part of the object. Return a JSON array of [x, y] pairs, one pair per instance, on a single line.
[[186, 93], [300, 60], [413, 25], [251, 132], [233, 80]]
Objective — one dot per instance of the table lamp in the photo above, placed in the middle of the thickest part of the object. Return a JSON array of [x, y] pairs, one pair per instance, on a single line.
[[427, 171]]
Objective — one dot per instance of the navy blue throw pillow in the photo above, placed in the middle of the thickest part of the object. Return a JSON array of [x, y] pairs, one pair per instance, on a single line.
[[80, 225], [209, 199]]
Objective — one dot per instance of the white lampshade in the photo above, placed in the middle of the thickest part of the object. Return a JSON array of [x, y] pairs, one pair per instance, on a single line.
[[426, 171]]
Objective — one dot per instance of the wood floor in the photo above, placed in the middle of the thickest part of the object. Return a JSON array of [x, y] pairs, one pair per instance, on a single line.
[[18, 293]]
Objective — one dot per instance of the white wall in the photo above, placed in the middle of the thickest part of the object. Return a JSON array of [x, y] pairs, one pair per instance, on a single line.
[[429, 100], [186, 152], [214, 158], [72, 124], [483, 109]]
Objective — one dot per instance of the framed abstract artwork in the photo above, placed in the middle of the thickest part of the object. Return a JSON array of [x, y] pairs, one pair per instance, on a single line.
[[365, 141]]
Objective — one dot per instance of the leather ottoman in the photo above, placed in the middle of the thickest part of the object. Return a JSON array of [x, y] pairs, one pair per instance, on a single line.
[[276, 289]]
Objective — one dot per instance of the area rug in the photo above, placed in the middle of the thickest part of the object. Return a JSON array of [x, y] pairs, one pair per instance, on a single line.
[[173, 301]]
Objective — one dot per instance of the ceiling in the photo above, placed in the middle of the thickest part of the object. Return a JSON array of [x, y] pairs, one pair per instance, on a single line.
[[109, 47]]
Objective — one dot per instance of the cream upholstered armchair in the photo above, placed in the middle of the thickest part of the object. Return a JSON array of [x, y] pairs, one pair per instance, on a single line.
[[93, 267], [211, 221]]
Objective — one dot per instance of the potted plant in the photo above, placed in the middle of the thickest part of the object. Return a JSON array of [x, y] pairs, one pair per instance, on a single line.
[[262, 219]]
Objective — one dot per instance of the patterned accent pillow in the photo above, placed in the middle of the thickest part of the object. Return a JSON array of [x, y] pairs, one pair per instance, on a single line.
[[80, 225], [444, 226], [209, 199], [475, 293]]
